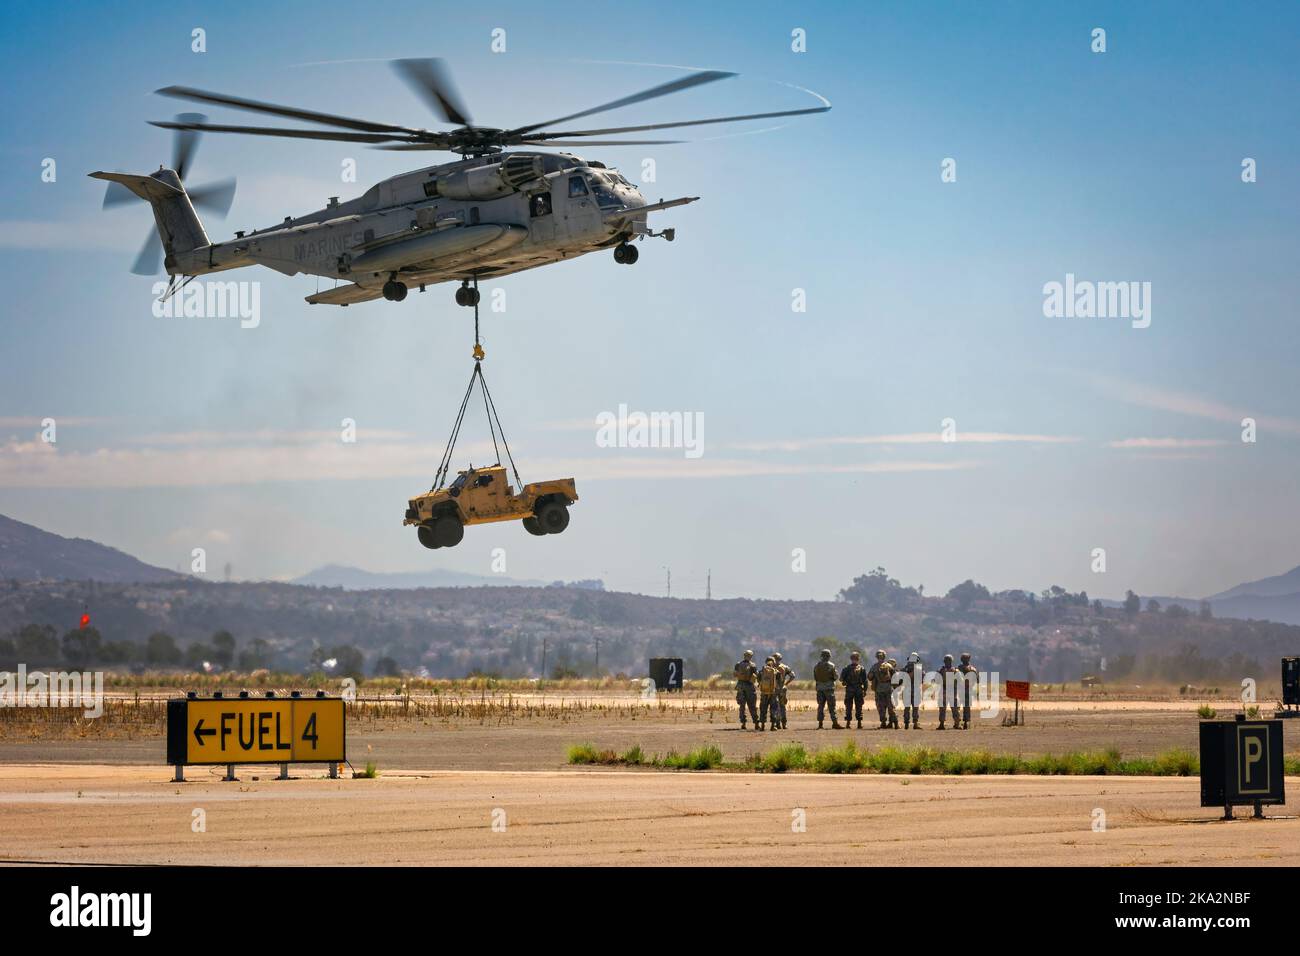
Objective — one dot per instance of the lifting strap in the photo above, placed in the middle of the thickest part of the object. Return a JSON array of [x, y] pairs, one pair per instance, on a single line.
[[489, 406]]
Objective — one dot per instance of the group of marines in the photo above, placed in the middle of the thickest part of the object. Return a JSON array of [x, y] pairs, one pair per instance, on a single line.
[[762, 691]]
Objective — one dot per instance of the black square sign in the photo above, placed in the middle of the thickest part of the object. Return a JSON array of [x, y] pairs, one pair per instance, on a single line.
[[666, 672], [1241, 762]]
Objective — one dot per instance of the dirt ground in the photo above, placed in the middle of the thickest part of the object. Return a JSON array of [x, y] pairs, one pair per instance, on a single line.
[[107, 797]]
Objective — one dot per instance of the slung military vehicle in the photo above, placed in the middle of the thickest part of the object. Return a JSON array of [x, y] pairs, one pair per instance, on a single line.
[[483, 495], [489, 214]]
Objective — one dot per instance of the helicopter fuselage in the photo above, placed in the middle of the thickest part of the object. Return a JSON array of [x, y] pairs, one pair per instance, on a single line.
[[484, 217]]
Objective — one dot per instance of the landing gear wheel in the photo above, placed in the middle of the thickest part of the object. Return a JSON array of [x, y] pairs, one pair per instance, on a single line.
[[553, 517], [448, 531], [631, 254], [532, 527], [394, 291], [426, 536], [466, 296]]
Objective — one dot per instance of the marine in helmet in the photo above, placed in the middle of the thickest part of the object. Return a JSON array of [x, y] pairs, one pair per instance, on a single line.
[[881, 679], [948, 692], [746, 674], [824, 676], [969, 677], [769, 702], [910, 676], [787, 677], [854, 679]]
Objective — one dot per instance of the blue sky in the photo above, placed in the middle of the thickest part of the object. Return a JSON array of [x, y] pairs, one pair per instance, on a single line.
[[821, 428]]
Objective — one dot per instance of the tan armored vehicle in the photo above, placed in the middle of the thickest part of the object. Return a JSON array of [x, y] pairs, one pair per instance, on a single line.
[[481, 495]]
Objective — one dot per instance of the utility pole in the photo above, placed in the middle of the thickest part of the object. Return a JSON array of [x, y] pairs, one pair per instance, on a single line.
[[708, 586], [543, 658], [597, 656], [670, 581]]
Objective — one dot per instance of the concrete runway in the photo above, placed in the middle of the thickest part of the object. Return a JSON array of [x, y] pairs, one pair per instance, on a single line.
[[87, 813]]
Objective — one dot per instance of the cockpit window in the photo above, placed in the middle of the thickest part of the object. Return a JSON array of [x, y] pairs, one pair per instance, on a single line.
[[603, 193], [459, 482], [577, 187]]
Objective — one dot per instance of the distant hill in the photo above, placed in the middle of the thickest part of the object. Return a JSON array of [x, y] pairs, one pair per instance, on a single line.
[[1281, 585], [29, 554], [356, 579]]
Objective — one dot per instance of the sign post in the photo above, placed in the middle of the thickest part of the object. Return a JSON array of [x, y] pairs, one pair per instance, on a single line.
[[225, 731], [666, 672], [1018, 690]]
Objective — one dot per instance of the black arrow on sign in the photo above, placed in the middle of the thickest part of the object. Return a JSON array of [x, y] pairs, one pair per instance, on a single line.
[[200, 733]]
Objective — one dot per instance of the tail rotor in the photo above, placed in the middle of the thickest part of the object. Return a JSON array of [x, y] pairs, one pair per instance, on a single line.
[[215, 197]]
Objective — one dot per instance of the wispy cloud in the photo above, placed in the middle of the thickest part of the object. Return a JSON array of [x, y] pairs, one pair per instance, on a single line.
[[1167, 442], [1194, 405], [909, 438], [35, 464]]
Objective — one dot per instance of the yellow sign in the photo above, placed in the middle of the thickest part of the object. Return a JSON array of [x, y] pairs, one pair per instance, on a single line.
[[255, 730]]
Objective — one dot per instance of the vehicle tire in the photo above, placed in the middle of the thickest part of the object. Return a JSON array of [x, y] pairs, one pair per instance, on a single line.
[[631, 254], [460, 295], [532, 527], [553, 517], [620, 253], [390, 290], [448, 531], [474, 296], [399, 291], [426, 536]]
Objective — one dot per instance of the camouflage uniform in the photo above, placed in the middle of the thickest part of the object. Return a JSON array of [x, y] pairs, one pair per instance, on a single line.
[[787, 678], [969, 677], [769, 700], [746, 693], [824, 676], [946, 687], [915, 673], [854, 679], [881, 678]]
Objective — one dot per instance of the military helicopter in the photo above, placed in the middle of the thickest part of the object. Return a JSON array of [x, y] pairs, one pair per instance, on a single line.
[[489, 214]]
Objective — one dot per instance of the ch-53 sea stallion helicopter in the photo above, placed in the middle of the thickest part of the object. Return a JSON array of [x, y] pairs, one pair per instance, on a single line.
[[490, 214]]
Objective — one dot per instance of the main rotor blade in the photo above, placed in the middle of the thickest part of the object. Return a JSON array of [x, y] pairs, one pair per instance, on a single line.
[[539, 137], [118, 195], [214, 197], [310, 116], [186, 141], [272, 131], [663, 89], [149, 261], [431, 81], [599, 142]]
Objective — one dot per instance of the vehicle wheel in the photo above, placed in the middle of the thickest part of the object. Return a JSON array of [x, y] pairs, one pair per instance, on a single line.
[[532, 527], [448, 531], [399, 290], [460, 295], [426, 536], [620, 253], [472, 297], [390, 290], [553, 517], [631, 254]]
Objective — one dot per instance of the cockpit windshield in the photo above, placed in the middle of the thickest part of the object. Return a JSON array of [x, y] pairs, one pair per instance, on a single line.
[[460, 481], [601, 188]]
